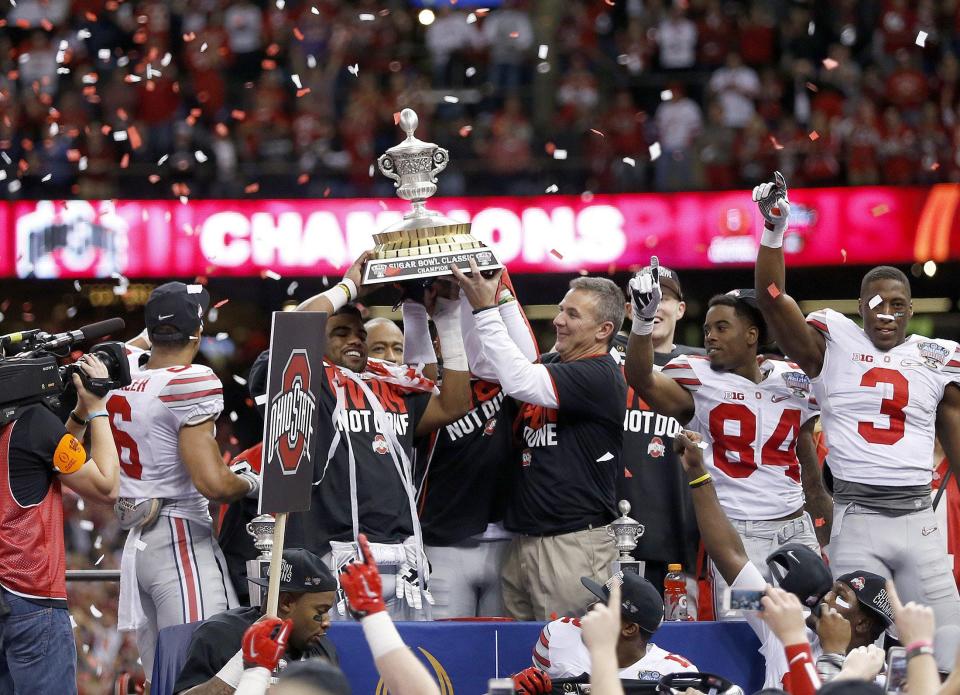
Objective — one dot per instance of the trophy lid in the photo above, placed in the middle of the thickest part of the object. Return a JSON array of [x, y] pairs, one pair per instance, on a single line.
[[412, 145]]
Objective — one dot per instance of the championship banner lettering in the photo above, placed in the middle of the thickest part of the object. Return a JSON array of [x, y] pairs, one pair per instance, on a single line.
[[294, 431]]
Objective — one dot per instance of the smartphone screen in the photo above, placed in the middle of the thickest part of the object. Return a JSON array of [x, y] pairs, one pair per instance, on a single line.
[[896, 670], [744, 600]]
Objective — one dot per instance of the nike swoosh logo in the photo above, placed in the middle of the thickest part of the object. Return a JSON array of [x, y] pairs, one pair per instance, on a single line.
[[928, 531], [163, 317], [777, 399], [253, 651]]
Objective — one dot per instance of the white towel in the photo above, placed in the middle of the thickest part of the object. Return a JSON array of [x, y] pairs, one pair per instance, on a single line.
[[130, 615]]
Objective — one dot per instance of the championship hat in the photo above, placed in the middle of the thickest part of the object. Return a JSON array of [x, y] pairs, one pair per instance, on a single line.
[[179, 305], [301, 572], [871, 592], [640, 602], [800, 571]]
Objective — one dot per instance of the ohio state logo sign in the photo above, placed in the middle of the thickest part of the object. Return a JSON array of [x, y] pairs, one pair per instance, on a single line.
[[291, 415]]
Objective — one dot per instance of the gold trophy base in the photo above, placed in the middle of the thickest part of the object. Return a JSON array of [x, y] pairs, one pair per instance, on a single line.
[[424, 253]]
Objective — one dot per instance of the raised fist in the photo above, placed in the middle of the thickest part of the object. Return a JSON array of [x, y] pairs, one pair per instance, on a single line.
[[532, 681], [265, 642], [771, 199], [645, 296], [362, 585]]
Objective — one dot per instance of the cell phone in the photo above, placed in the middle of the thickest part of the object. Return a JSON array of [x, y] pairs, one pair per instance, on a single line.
[[500, 686], [743, 600], [896, 670]]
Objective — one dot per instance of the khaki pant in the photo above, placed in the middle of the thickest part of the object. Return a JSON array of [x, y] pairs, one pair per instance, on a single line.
[[541, 574]]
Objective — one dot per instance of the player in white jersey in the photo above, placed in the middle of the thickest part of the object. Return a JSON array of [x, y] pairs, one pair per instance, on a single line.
[[755, 418], [172, 570], [560, 652], [884, 395]]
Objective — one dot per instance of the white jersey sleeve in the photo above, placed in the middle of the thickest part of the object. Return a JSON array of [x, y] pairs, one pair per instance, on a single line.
[[879, 406], [751, 432], [193, 396]]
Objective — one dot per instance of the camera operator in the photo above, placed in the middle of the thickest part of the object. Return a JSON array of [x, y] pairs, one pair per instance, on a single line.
[[37, 454]]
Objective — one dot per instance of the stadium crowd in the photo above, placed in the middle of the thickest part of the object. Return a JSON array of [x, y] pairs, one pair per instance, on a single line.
[[223, 99]]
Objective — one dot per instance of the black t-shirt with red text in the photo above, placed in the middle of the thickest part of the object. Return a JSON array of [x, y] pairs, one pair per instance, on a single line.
[[570, 456], [382, 503], [654, 483], [468, 464]]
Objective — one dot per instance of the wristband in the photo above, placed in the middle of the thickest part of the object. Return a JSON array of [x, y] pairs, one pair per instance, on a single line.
[[99, 413], [232, 671], [417, 345], [446, 319], [254, 681], [77, 419], [484, 308], [381, 634], [918, 643], [341, 294], [920, 651], [642, 326], [772, 237], [702, 480]]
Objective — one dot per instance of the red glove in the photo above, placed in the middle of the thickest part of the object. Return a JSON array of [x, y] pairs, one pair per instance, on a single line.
[[532, 681], [265, 642], [361, 584]]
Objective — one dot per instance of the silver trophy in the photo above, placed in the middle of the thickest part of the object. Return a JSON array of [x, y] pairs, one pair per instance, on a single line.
[[261, 530], [424, 243], [625, 532]]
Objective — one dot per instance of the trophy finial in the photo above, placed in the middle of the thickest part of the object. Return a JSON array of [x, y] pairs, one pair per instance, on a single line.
[[409, 121], [624, 507]]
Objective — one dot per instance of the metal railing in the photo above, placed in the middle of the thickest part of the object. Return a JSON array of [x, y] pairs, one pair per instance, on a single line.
[[93, 575]]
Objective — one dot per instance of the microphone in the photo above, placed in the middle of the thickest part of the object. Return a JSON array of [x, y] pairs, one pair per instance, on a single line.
[[94, 331]]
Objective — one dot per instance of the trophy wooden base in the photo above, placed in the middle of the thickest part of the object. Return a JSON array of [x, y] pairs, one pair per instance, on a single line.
[[382, 270], [636, 567]]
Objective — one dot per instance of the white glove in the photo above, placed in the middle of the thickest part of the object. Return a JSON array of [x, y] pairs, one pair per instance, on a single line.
[[408, 578], [771, 199], [243, 469], [645, 296]]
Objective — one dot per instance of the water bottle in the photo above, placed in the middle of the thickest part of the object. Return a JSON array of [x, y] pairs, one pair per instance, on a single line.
[[675, 594]]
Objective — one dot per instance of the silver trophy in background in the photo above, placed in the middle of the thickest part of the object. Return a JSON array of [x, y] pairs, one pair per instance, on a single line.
[[261, 530], [625, 531]]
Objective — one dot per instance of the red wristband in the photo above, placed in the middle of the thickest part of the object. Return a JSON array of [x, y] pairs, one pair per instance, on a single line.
[[917, 644]]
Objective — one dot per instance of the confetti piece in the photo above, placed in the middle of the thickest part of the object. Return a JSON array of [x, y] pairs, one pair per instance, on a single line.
[[655, 151], [294, 285], [814, 136], [843, 253], [559, 154], [367, 17], [773, 290], [881, 209], [396, 118], [819, 522], [666, 95], [99, 560], [934, 166], [630, 161], [221, 303], [470, 72], [271, 274], [48, 177], [86, 525], [136, 142], [354, 69], [298, 34], [451, 99], [223, 335], [875, 301], [303, 178], [466, 130], [514, 34], [830, 63], [240, 380], [251, 188], [606, 457], [296, 81], [125, 160], [552, 188], [775, 143], [140, 545], [233, 413], [303, 92], [73, 623], [812, 87], [922, 39], [556, 253], [597, 132], [153, 178], [542, 51], [238, 115]]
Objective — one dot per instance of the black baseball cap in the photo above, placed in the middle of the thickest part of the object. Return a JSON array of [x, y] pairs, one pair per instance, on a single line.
[[871, 592], [669, 279], [301, 572], [800, 571], [640, 602], [179, 305], [317, 673]]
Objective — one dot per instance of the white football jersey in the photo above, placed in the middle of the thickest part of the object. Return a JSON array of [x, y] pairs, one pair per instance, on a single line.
[[751, 433], [561, 653], [879, 407], [146, 418]]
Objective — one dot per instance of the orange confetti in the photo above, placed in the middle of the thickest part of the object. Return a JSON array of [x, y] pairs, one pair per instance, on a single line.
[[775, 143], [153, 178], [773, 290], [105, 129], [465, 130], [297, 33], [273, 49], [814, 136], [550, 147], [819, 521], [556, 253], [238, 115], [91, 17], [252, 188], [125, 160], [23, 23], [812, 87], [268, 64], [220, 303], [136, 142], [46, 24], [187, 38], [221, 130], [303, 178], [514, 34], [934, 166], [303, 92], [396, 118], [73, 155], [881, 209], [830, 63]]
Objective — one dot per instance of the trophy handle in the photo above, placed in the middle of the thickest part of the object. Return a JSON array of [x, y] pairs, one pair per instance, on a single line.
[[440, 160], [388, 168]]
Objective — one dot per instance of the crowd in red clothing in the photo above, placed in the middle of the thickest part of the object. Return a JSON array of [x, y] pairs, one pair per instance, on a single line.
[[296, 97]]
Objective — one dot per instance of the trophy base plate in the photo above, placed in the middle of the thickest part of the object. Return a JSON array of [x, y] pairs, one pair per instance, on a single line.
[[636, 567], [382, 270]]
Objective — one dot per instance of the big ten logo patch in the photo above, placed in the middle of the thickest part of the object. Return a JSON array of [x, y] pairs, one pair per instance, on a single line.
[[538, 425], [358, 416], [443, 678], [482, 417]]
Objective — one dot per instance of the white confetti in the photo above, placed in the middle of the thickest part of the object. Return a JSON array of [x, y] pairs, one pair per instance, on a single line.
[[922, 39], [73, 623], [471, 18], [451, 99], [46, 178], [370, 171], [240, 380], [86, 525], [233, 416], [271, 274], [223, 335], [98, 541], [315, 10], [552, 188], [559, 154], [104, 54], [367, 17], [296, 81], [80, 505], [201, 157], [311, 61], [203, 47], [630, 161], [140, 545], [666, 95], [95, 612], [99, 560], [119, 136], [654, 151], [14, 186], [76, 285], [542, 51], [292, 288], [606, 457], [470, 72], [84, 34], [354, 69], [875, 301], [162, 160], [281, 4], [82, 164], [165, 61]]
